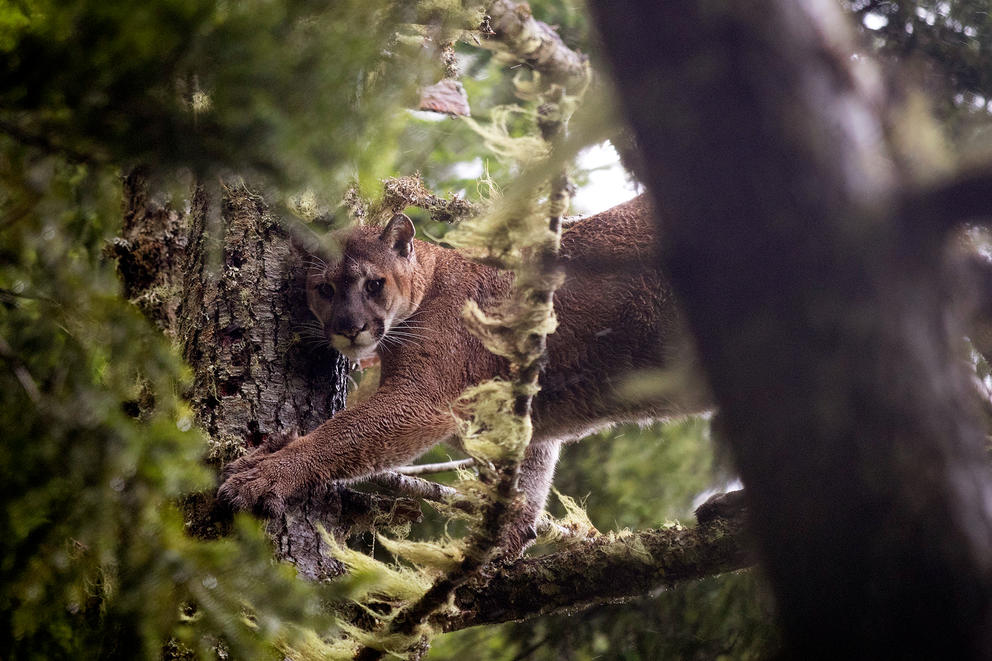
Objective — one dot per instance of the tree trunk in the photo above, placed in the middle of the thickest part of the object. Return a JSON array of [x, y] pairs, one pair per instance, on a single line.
[[226, 283], [821, 320]]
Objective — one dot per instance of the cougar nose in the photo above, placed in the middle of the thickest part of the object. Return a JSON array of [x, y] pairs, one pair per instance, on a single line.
[[352, 333]]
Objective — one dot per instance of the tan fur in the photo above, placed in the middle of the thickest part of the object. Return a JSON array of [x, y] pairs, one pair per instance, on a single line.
[[616, 315]]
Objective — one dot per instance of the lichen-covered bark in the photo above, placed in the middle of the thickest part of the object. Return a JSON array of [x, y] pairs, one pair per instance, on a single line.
[[243, 303], [821, 320], [150, 252], [536, 43]]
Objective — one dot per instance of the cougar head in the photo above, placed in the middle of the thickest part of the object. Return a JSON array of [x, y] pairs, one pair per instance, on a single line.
[[368, 289]]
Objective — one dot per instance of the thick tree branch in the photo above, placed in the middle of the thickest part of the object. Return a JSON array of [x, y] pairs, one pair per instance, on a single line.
[[602, 570], [536, 44]]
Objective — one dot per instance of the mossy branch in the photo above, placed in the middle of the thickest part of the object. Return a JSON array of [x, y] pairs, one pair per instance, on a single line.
[[511, 29], [535, 43], [610, 568], [402, 192]]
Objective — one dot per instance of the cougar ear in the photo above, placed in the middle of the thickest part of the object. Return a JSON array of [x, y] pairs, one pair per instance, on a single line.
[[399, 235]]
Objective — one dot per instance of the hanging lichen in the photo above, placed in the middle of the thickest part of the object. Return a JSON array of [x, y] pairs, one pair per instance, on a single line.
[[492, 432], [498, 137], [574, 526], [372, 577], [441, 555]]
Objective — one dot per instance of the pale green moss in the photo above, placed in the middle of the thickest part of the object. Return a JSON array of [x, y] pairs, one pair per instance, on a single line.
[[378, 578], [492, 432], [507, 232], [306, 645], [442, 555], [497, 138], [575, 525], [392, 643], [304, 205]]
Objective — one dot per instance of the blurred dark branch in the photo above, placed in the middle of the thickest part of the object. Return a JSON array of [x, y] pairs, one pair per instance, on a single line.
[[967, 197], [978, 274], [46, 144], [822, 322], [977, 281], [11, 296], [16, 214]]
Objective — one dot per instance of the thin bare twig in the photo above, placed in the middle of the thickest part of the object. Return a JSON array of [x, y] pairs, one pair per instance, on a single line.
[[414, 486], [443, 467]]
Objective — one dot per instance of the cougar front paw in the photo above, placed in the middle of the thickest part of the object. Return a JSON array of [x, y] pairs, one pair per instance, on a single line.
[[255, 489], [272, 443]]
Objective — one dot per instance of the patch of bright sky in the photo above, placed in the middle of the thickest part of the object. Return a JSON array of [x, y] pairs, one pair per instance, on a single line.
[[608, 184], [874, 21]]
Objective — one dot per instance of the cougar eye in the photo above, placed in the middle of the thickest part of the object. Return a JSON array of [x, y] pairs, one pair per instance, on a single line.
[[373, 287], [325, 290]]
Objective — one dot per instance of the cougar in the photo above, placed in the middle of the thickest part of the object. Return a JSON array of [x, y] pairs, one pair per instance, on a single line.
[[391, 295]]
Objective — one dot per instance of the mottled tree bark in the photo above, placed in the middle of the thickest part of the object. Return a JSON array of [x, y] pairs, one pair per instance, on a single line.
[[225, 281], [243, 302], [821, 317]]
